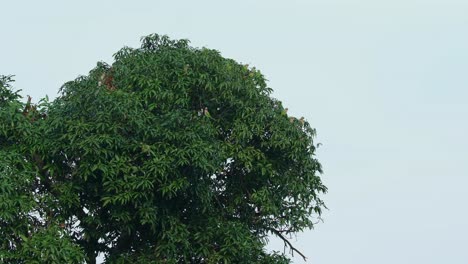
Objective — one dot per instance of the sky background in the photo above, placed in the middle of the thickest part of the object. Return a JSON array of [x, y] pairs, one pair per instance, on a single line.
[[383, 82]]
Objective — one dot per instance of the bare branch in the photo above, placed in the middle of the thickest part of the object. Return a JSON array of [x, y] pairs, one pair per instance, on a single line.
[[286, 242]]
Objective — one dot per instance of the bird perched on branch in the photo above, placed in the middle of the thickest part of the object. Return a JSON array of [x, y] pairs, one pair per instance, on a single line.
[[205, 112], [107, 79], [302, 120], [28, 106]]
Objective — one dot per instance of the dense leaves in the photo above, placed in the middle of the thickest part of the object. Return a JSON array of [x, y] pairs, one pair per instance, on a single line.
[[172, 154], [29, 233]]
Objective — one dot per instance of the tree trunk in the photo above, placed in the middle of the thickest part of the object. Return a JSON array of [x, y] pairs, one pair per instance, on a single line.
[[91, 256]]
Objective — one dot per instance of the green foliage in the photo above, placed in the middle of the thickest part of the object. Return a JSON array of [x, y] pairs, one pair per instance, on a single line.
[[28, 233], [172, 154], [6, 94]]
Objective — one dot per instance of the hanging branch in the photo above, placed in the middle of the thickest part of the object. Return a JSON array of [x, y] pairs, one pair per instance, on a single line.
[[286, 242]]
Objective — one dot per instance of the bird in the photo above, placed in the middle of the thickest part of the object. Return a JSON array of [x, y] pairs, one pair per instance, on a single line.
[[205, 111], [101, 79], [302, 120], [28, 106]]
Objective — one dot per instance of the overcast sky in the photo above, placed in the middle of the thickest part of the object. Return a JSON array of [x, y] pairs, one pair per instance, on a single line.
[[383, 82]]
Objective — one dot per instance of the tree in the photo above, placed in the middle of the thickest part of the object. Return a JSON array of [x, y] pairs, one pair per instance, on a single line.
[[171, 154]]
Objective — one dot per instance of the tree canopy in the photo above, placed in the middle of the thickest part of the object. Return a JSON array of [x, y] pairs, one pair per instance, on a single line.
[[171, 154]]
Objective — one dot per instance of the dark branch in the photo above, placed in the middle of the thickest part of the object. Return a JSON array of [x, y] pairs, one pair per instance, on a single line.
[[286, 242]]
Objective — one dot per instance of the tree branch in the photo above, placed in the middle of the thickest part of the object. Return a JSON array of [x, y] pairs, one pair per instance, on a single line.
[[286, 242]]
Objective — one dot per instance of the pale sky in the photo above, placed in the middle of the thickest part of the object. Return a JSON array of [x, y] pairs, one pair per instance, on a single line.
[[383, 82]]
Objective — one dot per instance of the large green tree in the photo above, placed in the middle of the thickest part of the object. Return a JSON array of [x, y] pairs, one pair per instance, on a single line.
[[171, 154]]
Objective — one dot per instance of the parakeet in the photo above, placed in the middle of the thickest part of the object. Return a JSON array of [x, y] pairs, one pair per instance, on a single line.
[[28, 106], [302, 120], [205, 111], [101, 79]]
